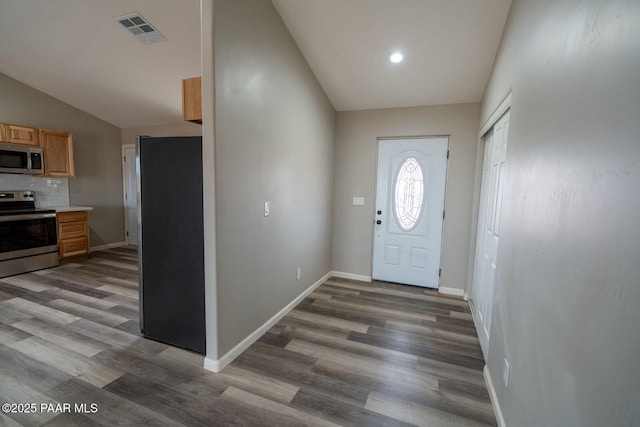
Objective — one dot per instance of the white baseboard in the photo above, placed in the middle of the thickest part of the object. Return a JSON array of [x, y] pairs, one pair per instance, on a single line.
[[494, 397], [343, 275], [451, 291], [107, 246], [217, 365]]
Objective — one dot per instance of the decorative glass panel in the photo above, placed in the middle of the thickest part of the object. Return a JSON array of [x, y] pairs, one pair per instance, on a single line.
[[409, 194]]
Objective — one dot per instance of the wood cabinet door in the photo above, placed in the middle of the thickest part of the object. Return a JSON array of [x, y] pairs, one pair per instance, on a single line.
[[18, 134], [58, 153], [192, 100]]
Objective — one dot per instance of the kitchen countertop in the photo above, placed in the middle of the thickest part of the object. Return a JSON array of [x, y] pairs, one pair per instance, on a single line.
[[70, 208]]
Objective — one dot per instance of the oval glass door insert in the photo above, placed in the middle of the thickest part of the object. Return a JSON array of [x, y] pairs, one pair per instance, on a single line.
[[409, 194]]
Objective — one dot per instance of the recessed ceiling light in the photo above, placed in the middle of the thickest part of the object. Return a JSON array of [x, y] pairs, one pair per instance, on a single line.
[[396, 57]]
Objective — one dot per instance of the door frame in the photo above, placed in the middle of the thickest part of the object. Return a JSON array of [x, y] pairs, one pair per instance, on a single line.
[[375, 192], [124, 189], [497, 114]]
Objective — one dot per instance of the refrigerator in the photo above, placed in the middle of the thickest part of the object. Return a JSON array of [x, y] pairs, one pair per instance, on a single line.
[[171, 240]]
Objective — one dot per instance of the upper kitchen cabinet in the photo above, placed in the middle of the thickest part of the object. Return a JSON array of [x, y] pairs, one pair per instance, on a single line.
[[57, 149], [192, 100], [18, 134]]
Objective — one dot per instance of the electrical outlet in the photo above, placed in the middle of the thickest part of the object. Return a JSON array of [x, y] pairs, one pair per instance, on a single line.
[[505, 373], [298, 273]]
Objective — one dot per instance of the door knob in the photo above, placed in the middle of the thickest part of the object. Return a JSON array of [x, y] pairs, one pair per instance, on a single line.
[[378, 222]]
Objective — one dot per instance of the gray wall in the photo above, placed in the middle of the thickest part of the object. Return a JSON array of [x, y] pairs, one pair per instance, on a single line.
[[274, 130], [96, 144], [128, 135], [567, 298], [355, 175]]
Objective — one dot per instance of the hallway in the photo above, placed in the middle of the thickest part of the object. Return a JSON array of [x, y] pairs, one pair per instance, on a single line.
[[352, 353]]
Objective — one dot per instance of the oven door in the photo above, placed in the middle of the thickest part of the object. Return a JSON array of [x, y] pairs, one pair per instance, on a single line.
[[27, 234]]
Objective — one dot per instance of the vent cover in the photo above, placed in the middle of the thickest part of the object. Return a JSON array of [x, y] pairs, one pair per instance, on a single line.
[[141, 28]]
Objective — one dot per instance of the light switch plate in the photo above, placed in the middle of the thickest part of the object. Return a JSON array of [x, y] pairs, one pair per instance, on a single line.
[[267, 208], [358, 201]]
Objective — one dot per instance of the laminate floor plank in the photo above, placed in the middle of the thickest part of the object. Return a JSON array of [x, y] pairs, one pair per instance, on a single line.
[[15, 391], [71, 420], [431, 342], [418, 349], [358, 308], [171, 403], [365, 368], [119, 290], [6, 421], [62, 336], [303, 376], [82, 311], [113, 410], [258, 384], [145, 367], [351, 353], [41, 312], [324, 319], [416, 414], [91, 302], [354, 347], [428, 331], [319, 308], [97, 331], [29, 371], [129, 302], [339, 411], [31, 283], [446, 370], [67, 361], [274, 407], [10, 334]]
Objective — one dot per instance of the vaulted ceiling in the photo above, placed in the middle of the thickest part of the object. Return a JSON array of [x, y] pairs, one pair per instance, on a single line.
[[75, 51]]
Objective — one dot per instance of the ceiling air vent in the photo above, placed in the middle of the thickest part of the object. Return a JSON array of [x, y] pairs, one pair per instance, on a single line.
[[141, 28]]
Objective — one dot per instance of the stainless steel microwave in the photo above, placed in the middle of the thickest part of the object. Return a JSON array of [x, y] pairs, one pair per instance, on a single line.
[[21, 159]]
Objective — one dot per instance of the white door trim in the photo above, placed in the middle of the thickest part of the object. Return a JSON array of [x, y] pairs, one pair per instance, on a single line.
[[495, 116], [124, 189]]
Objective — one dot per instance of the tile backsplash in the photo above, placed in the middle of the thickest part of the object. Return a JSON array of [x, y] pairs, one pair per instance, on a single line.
[[49, 191]]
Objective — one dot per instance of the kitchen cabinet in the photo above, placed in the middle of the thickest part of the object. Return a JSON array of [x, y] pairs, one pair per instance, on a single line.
[[57, 148], [192, 100], [18, 134], [73, 235]]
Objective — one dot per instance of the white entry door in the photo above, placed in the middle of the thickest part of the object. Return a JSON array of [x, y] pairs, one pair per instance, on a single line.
[[409, 210], [488, 234], [130, 194]]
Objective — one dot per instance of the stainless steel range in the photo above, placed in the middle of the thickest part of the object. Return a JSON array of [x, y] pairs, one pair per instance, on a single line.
[[28, 239]]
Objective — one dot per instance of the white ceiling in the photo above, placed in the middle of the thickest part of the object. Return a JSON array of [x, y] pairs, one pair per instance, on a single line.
[[75, 51], [449, 47]]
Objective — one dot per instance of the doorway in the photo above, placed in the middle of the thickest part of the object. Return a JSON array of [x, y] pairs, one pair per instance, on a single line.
[[130, 192], [488, 231], [409, 212]]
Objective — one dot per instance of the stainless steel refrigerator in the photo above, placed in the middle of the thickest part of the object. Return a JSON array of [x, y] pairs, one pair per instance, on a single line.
[[171, 240]]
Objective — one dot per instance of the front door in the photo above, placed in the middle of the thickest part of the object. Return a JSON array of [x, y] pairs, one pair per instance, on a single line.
[[409, 210]]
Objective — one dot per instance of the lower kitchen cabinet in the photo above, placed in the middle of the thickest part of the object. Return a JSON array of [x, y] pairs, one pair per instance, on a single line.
[[73, 235]]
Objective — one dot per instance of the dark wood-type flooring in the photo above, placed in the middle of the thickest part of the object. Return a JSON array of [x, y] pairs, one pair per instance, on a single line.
[[351, 354]]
